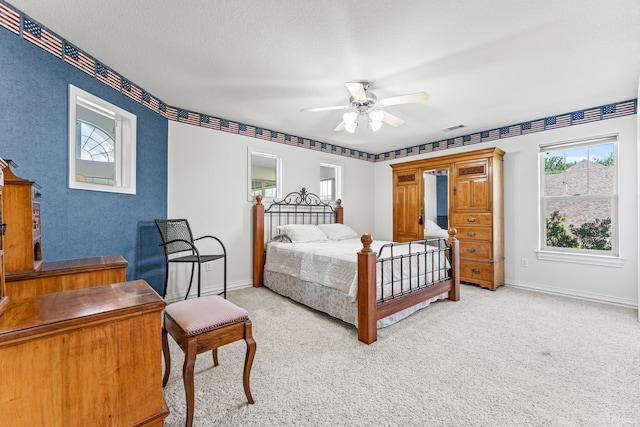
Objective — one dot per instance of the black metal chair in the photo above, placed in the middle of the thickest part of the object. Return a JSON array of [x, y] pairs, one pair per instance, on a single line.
[[177, 240]]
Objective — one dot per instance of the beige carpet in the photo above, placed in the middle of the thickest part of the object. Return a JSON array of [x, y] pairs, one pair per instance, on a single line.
[[504, 358]]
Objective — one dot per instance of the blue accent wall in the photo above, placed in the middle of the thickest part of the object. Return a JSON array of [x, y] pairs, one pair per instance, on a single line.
[[34, 134]]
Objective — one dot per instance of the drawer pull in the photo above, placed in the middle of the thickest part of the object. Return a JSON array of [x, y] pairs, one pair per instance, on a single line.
[[476, 271], [471, 250], [471, 233], [471, 219]]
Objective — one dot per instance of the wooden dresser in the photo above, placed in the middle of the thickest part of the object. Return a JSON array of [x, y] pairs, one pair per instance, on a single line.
[[475, 209], [84, 357]]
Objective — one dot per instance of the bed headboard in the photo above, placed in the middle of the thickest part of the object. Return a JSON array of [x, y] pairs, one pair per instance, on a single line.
[[298, 207]]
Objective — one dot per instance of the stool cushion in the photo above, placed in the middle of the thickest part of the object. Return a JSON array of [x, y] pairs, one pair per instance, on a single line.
[[198, 315]]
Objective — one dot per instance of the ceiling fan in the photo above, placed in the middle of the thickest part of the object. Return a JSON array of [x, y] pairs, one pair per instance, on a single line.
[[367, 105]]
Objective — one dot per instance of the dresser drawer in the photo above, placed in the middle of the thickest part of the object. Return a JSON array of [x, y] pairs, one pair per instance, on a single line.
[[476, 271], [466, 219], [474, 233], [475, 250]]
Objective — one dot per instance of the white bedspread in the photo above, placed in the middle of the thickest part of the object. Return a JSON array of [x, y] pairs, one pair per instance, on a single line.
[[334, 264]]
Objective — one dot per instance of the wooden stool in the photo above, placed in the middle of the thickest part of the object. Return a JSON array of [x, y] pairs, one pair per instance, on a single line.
[[203, 324]]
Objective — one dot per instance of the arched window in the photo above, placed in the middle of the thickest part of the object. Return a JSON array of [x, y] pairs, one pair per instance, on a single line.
[[102, 145]]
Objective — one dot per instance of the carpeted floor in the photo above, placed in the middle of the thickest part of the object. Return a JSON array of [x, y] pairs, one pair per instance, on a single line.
[[504, 358]]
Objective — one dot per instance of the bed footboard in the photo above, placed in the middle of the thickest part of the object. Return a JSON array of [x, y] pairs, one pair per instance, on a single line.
[[370, 310]]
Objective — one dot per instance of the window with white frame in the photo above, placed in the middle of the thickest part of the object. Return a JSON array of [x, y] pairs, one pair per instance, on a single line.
[[579, 196], [102, 145]]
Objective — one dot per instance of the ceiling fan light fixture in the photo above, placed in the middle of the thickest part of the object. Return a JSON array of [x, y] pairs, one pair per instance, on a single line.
[[351, 127], [350, 117], [375, 126], [376, 116]]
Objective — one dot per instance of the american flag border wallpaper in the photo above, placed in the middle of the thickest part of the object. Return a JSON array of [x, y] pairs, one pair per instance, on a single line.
[[31, 31]]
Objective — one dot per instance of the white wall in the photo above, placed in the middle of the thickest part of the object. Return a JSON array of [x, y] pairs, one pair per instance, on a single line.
[[617, 285], [208, 186]]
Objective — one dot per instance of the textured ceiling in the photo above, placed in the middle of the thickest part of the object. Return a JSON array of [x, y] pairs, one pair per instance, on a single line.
[[485, 64]]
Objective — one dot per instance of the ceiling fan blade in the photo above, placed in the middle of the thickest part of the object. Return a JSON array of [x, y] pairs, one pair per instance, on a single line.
[[340, 126], [335, 107], [404, 99], [357, 91], [392, 120]]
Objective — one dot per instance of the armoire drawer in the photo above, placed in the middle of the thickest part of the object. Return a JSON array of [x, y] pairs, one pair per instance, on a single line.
[[465, 219], [475, 250], [473, 233], [472, 271]]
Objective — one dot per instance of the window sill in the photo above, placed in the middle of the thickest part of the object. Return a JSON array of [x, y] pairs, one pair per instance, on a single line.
[[599, 260]]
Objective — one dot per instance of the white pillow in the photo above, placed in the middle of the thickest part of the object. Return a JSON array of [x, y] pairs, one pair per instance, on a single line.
[[300, 233], [338, 231]]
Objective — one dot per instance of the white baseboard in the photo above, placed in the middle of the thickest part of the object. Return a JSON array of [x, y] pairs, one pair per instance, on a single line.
[[574, 294], [175, 297]]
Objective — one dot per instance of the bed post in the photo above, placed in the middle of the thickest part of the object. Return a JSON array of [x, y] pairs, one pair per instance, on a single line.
[[454, 293], [338, 211], [367, 304], [258, 242]]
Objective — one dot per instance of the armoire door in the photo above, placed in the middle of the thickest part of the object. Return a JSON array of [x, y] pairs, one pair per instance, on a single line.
[[407, 205], [471, 189]]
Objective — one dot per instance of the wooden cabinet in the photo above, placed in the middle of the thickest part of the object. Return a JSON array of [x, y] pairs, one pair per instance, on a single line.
[[475, 210], [22, 216], [3, 297], [86, 357]]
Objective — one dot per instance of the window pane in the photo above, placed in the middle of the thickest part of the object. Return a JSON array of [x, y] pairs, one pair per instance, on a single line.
[[602, 169], [554, 176], [579, 223], [576, 170]]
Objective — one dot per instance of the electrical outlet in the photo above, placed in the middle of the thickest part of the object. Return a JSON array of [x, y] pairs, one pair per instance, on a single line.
[[207, 266], [524, 262]]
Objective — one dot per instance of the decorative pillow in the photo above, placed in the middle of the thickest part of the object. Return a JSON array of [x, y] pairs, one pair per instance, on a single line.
[[338, 231], [300, 233], [281, 238]]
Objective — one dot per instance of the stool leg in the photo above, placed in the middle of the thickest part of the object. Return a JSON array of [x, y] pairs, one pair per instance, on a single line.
[[248, 360], [167, 357], [187, 375], [215, 356]]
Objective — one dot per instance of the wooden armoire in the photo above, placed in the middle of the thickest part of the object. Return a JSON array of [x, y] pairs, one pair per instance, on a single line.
[[475, 206]]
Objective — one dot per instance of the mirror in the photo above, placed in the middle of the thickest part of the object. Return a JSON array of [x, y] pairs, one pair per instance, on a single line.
[[330, 182], [264, 175], [436, 198]]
